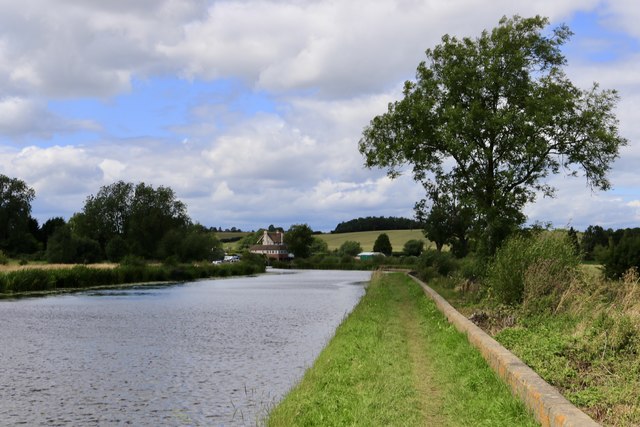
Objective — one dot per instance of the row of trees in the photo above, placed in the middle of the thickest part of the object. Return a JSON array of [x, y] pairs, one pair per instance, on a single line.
[[122, 219], [374, 223], [618, 250]]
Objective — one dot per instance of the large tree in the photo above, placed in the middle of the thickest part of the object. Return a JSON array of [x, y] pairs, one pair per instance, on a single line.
[[494, 116], [138, 214], [15, 214], [299, 239]]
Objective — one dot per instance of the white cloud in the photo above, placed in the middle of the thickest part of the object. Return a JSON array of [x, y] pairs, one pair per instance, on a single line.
[[329, 66], [23, 117]]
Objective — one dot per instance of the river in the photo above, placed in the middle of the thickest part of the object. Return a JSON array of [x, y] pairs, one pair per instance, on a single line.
[[205, 353]]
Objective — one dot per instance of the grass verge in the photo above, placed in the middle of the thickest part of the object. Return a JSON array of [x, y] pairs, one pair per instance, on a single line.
[[397, 361]]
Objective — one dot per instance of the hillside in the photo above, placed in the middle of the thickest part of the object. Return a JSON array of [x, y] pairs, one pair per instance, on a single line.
[[367, 238]]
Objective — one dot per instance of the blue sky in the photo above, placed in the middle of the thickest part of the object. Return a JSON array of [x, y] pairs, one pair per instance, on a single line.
[[252, 110]]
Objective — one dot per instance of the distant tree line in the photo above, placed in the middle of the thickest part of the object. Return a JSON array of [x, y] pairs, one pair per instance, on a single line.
[[618, 250], [121, 220], [375, 223]]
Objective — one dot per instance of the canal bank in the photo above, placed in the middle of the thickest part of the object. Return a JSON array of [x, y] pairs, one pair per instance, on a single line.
[[397, 361]]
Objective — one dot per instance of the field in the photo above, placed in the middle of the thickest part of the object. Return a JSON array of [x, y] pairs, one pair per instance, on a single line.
[[367, 238]]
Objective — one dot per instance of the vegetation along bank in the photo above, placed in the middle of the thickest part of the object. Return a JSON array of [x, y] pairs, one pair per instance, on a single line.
[[13, 283]]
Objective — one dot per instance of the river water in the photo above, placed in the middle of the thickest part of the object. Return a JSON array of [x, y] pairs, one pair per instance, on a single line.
[[206, 353]]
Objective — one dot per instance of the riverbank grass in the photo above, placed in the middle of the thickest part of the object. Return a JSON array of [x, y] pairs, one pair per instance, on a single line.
[[396, 361]]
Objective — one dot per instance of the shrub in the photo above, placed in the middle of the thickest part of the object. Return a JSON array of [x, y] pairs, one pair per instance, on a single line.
[[521, 258], [472, 268], [433, 262], [413, 247], [4, 260], [350, 247]]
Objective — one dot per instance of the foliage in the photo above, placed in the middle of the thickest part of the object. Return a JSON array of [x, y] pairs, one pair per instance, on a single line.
[[448, 221], [516, 272], [47, 229], [116, 249], [132, 270], [299, 239], [624, 255], [432, 263], [492, 117], [4, 260], [249, 239], [594, 236], [139, 214], [61, 246], [572, 237], [413, 247], [350, 248], [15, 214], [375, 223], [318, 246], [383, 244]]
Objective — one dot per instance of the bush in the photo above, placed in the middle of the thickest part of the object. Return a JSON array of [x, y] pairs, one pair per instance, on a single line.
[[413, 247], [518, 262], [350, 247], [4, 260], [432, 263]]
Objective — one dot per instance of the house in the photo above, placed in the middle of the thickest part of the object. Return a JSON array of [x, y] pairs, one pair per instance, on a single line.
[[271, 245]]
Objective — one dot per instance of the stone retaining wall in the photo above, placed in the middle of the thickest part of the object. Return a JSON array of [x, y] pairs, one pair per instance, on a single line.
[[549, 407]]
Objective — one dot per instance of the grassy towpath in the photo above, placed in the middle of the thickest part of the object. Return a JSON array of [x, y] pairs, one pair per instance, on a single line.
[[396, 361]]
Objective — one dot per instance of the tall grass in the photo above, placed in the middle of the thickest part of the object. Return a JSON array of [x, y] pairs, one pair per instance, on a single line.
[[532, 269], [32, 280]]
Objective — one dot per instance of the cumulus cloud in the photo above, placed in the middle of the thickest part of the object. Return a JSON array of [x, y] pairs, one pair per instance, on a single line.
[[23, 117], [327, 66]]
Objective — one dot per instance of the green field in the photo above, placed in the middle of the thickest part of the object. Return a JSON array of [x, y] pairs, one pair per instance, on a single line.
[[367, 238]]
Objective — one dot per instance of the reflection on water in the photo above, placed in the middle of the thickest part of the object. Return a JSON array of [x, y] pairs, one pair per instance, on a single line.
[[217, 352]]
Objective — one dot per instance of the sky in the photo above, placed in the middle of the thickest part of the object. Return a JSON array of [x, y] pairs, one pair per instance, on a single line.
[[251, 110]]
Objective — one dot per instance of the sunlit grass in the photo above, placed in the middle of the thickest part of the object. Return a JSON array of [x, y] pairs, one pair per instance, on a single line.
[[367, 373]]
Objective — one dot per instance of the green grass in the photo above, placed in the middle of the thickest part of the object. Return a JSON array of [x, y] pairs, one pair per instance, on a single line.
[[396, 361], [587, 346], [367, 238]]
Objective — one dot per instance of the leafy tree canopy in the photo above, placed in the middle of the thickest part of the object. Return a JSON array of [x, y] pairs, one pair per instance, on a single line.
[[492, 117], [383, 244], [299, 239], [350, 247], [372, 223], [15, 213], [140, 214]]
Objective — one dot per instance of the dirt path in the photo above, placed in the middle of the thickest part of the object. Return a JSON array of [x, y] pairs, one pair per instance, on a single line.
[[425, 384]]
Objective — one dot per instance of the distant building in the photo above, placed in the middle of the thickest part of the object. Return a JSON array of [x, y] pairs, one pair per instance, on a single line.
[[271, 244], [368, 255]]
